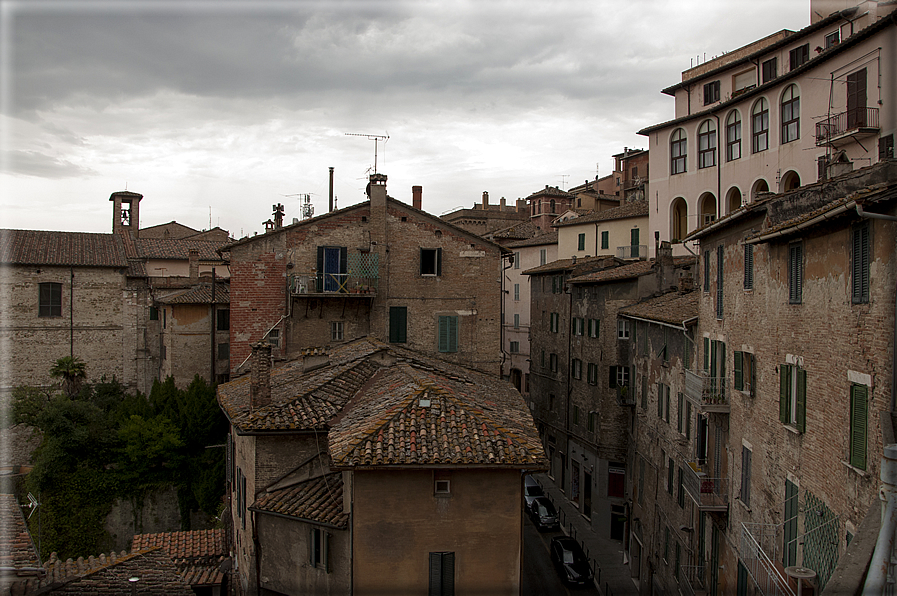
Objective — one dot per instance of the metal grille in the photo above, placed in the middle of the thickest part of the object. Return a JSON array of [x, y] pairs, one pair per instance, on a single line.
[[364, 265], [820, 540]]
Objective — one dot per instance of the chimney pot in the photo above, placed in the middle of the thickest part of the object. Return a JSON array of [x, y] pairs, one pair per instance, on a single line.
[[503, 203], [485, 200], [417, 196], [194, 263], [260, 375]]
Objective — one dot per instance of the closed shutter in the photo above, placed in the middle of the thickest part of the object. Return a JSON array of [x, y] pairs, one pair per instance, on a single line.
[[748, 266], [746, 476], [801, 399], [660, 400], [612, 377], [435, 574], [795, 274], [738, 373], [320, 270], [448, 334], [719, 281], [856, 99], [860, 264], [858, 406], [707, 354], [789, 547], [784, 393], [706, 270], [442, 574], [438, 261], [398, 324]]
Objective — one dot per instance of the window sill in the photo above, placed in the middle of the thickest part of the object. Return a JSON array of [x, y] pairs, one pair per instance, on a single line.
[[859, 472], [792, 430], [443, 495], [743, 505]]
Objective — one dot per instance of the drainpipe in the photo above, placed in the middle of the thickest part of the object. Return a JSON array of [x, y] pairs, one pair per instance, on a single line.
[[213, 326], [877, 578], [569, 388], [719, 167], [501, 315], [72, 312]]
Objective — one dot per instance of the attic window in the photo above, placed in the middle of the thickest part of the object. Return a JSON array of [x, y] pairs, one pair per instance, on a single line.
[[443, 487], [442, 483], [364, 218]]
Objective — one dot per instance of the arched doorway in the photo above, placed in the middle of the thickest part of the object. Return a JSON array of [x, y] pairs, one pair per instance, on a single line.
[[733, 199], [758, 187], [707, 208], [790, 181], [678, 220], [516, 378]]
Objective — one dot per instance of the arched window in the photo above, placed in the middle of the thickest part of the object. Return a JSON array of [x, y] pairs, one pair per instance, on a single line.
[[707, 205], [758, 187], [790, 181], [790, 114], [706, 144], [760, 126], [551, 205], [733, 136], [733, 199], [678, 220], [678, 151]]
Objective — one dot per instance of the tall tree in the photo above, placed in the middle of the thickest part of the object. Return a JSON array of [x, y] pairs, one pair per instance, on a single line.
[[72, 371]]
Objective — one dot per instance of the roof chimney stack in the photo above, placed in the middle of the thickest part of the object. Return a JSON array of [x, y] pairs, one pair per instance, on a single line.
[[193, 259], [485, 200], [330, 204], [260, 375], [417, 196]]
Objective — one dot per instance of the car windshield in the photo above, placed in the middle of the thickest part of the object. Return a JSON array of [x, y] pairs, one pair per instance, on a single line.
[[568, 556], [543, 510]]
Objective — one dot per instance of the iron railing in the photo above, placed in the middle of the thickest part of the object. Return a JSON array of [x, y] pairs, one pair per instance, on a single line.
[[709, 393], [766, 575], [635, 251], [694, 577], [625, 395], [846, 122], [709, 494], [332, 283]]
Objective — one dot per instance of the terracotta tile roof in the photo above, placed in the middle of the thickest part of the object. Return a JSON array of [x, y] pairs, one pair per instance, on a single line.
[[197, 554], [40, 247], [628, 271], [16, 548], [110, 574], [672, 308], [201, 294], [624, 211], [521, 230], [548, 238], [318, 500], [551, 191], [169, 248], [584, 264]]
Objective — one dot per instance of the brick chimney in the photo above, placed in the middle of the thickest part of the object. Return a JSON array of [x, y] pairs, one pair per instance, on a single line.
[[194, 264], [503, 203], [417, 196], [485, 200], [521, 205], [260, 375]]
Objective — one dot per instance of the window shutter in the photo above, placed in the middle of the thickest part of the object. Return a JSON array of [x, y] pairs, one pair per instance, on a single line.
[[748, 266], [801, 399], [719, 281], [860, 264], [707, 354], [435, 574], [784, 392], [679, 413], [320, 275], [452, 334], [795, 274], [712, 371], [311, 547], [706, 270], [343, 261], [448, 574], [722, 364], [438, 261], [612, 377], [858, 406], [660, 400], [326, 554], [753, 377], [738, 372]]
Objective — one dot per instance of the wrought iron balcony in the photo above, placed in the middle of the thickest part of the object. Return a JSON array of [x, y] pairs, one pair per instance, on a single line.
[[635, 251], [758, 553], [693, 579], [708, 493], [858, 122], [333, 284], [711, 394]]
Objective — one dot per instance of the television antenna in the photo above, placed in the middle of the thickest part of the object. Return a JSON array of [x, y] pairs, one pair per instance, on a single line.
[[375, 138], [306, 209]]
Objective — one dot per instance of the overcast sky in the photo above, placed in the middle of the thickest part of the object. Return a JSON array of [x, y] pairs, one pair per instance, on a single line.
[[233, 105]]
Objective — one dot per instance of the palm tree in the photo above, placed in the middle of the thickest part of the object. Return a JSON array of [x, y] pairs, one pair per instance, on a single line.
[[73, 371]]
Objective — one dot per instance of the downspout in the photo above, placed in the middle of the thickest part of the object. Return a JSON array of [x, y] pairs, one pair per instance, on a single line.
[[501, 316], [877, 578], [71, 312], [719, 168], [213, 326], [569, 388]]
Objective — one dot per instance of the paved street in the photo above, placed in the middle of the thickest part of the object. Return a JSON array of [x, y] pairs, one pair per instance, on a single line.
[[539, 575]]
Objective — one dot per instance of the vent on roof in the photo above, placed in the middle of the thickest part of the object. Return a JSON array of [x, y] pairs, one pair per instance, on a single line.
[[425, 402]]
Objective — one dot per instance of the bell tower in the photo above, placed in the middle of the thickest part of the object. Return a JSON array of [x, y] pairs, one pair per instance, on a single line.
[[125, 212]]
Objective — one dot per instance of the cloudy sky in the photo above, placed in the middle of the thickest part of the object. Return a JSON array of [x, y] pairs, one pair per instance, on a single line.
[[229, 107]]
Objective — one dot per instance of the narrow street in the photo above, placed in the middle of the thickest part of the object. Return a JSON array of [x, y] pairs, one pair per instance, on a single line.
[[539, 575]]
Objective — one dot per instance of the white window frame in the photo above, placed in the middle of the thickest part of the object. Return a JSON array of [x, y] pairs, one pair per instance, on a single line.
[[337, 331], [622, 329]]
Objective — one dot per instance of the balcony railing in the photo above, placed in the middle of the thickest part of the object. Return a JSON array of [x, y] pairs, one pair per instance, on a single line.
[[855, 122], [329, 284], [758, 561], [635, 251], [625, 395], [693, 580], [711, 394], [709, 494]]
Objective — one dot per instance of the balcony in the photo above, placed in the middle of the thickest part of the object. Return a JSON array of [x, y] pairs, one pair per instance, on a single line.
[[843, 127], [693, 580], [711, 394], [344, 285], [635, 251], [625, 395], [709, 494], [759, 556]]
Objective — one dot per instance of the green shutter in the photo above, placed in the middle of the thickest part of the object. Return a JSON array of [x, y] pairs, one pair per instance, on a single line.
[[858, 406], [801, 399], [448, 334], [784, 393], [739, 372], [660, 400], [707, 354], [789, 546], [398, 324]]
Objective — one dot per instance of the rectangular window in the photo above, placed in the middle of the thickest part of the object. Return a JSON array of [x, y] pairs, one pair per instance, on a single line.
[[579, 325], [515, 347], [49, 299], [516, 260], [680, 414], [671, 474], [745, 494], [666, 403], [223, 322], [687, 419], [554, 323], [644, 382], [799, 56], [577, 368], [576, 415], [553, 362], [711, 93], [516, 321], [793, 396], [318, 551], [543, 256], [748, 266], [605, 240], [795, 273], [616, 481], [581, 245], [592, 373], [431, 261], [516, 292], [543, 359], [744, 373], [719, 281], [398, 324], [859, 405], [223, 351], [274, 338], [832, 39], [164, 352], [664, 349], [859, 264], [706, 270], [622, 329], [770, 69], [680, 489], [593, 327], [618, 377], [448, 334], [336, 331], [442, 574], [153, 313]]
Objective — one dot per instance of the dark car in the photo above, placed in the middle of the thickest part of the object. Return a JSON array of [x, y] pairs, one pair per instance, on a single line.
[[531, 490], [543, 514], [569, 560]]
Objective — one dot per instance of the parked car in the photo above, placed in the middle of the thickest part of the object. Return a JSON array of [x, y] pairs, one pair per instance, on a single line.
[[569, 561], [531, 490], [543, 514]]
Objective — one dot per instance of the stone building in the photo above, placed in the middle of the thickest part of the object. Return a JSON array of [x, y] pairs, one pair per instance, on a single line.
[[369, 468], [797, 328], [485, 218], [621, 231], [380, 268]]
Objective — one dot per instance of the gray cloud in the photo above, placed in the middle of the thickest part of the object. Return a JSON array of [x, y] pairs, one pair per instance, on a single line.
[[32, 163]]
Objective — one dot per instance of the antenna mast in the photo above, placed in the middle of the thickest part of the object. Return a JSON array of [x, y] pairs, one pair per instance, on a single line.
[[375, 138]]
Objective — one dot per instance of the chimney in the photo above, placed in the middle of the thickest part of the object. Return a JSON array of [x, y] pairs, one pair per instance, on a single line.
[[194, 264], [260, 375], [417, 196], [378, 206], [686, 282], [485, 200], [521, 205], [502, 202], [330, 204]]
